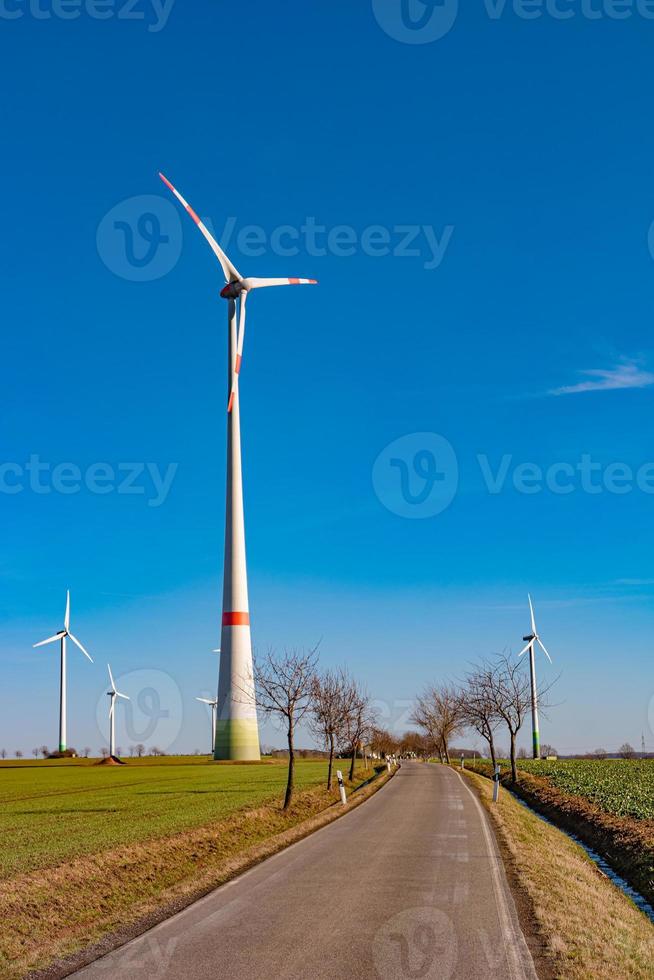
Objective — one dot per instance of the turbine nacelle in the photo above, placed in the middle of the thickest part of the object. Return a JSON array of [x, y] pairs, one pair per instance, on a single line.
[[232, 290]]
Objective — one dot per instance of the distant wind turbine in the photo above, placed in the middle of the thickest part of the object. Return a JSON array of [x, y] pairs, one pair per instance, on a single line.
[[214, 703], [533, 639], [113, 694], [237, 732], [62, 635]]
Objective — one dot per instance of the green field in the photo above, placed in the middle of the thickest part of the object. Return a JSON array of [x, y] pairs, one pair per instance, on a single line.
[[623, 787], [52, 811]]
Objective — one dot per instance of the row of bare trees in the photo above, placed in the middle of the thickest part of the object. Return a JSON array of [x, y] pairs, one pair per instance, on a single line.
[[337, 708], [494, 694]]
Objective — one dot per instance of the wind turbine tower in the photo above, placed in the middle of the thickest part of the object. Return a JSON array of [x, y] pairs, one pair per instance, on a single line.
[[533, 638], [237, 731]]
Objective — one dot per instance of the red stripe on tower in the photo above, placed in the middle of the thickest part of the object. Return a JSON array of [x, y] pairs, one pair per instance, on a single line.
[[236, 619]]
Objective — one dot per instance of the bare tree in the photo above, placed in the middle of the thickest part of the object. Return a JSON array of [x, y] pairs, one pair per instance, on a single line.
[[439, 713], [329, 711], [18, 754], [547, 749], [45, 751], [140, 749], [87, 751], [508, 688], [3, 753], [35, 753], [600, 753], [478, 709], [358, 719], [284, 684], [382, 742], [104, 751], [627, 751]]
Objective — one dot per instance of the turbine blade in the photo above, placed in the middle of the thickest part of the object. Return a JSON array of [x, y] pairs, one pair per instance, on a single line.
[[542, 646], [533, 619], [111, 678], [526, 648], [111, 708], [254, 283], [67, 616], [125, 696], [50, 639], [230, 271], [78, 644], [204, 700], [239, 352]]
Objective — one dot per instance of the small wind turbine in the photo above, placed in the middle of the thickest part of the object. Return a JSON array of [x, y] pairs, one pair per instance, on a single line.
[[113, 694], [533, 638], [214, 704], [62, 635]]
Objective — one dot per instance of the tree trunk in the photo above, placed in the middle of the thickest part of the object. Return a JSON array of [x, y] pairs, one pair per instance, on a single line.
[[331, 762], [354, 760], [291, 767], [514, 768], [447, 752], [491, 749]]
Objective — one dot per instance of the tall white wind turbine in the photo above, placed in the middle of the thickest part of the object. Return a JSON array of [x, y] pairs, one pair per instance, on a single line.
[[214, 704], [237, 732], [533, 638], [113, 694], [62, 636]]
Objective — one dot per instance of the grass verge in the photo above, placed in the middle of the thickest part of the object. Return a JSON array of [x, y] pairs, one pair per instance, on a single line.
[[588, 930], [627, 843]]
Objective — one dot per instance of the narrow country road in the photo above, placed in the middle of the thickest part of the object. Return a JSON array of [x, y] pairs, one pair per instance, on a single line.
[[408, 885]]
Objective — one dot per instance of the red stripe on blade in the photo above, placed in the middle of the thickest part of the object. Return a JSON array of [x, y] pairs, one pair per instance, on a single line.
[[193, 214], [238, 363], [294, 282], [236, 619]]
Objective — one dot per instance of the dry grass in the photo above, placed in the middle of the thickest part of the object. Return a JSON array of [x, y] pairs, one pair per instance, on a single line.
[[588, 928], [54, 912]]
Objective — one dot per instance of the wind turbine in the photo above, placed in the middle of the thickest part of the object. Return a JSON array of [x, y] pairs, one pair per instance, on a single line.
[[533, 639], [214, 703], [62, 635], [237, 732], [113, 694]]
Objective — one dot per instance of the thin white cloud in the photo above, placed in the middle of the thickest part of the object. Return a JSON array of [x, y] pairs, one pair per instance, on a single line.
[[634, 581], [626, 374]]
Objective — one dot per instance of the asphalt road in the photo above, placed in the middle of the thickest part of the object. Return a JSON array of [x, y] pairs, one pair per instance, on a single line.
[[408, 885]]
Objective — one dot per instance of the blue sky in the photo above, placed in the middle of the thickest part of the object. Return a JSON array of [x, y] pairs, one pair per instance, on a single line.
[[516, 154]]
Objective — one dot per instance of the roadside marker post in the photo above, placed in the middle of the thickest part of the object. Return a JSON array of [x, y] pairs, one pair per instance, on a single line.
[[388, 765], [462, 762], [496, 784], [341, 787]]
